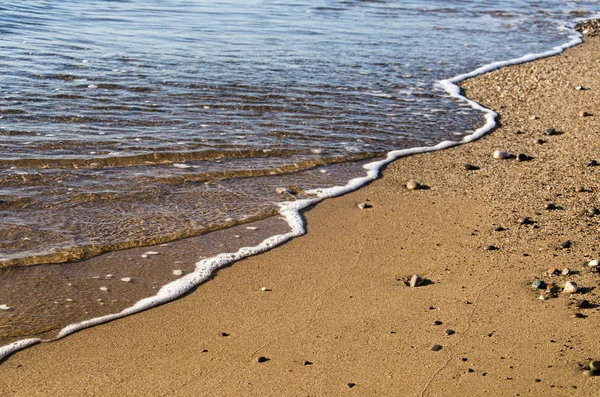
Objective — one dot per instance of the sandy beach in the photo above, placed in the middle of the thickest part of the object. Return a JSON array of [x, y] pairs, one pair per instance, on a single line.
[[337, 317]]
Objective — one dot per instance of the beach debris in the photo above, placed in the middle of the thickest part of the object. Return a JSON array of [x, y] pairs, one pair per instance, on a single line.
[[178, 272], [566, 271], [265, 289], [584, 114], [181, 165], [362, 206], [147, 254], [570, 287], [551, 131], [470, 167], [416, 280], [593, 163], [253, 228], [105, 289], [4, 307], [539, 284], [413, 185], [450, 332], [109, 276], [502, 155], [261, 359], [523, 157], [525, 221], [593, 211], [126, 279], [595, 365], [550, 206], [307, 363], [436, 348], [283, 190], [565, 244], [593, 264]]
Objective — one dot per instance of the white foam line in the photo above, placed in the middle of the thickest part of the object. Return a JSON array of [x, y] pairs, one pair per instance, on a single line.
[[291, 210]]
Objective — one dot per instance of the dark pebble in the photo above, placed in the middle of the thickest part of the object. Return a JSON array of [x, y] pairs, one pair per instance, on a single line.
[[308, 363], [437, 322], [436, 348], [593, 163], [582, 304], [261, 359], [550, 206], [593, 211], [470, 167], [204, 350], [523, 157], [551, 131], [519, 132], [490, 248], [540, 141], [538, 380], [525, 221], [470, 370], [499, 229], [224, 334], [539, 284], [351, 385], [450, 332], [566, 244], [464, 359]]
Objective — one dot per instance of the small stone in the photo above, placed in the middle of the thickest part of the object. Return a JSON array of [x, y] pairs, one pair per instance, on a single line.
[[540, 141], [147, 254], [362, 206], [105, 289], [593, 211], [470, 167], [126, 279], [224, 334], [416, 280], [589, 373], [552, 271], [593, 263], [437, 322], [436, 348], [566, 271], [534, 118], [449, 332], [499, 229], [307, 363], [470, 370], [261, 359], [595, 365], [543, 297], [523, 157], [565, 244], [579, 189], [413, 185], [539, 284], [283, 190], [550, 206], [490, 247], [593, 163], [519, 132], [265, 289], [525, 221], [4, 307], [583, 114], [570, 287], [252, 228], [551, 131], [502, 155], [351, 384], [579, 88], [178, 272], [582, 304]]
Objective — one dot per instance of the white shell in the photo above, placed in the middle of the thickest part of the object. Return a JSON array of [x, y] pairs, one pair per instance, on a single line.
[[501, 154]]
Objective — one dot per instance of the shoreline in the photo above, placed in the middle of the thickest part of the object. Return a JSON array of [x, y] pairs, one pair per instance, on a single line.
[[447, 194], [291, 211]]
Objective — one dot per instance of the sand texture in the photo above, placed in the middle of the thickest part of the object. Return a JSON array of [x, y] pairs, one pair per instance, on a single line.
[[339, 319]]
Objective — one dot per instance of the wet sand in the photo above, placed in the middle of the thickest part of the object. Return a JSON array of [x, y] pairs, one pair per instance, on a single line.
[[339, 319]]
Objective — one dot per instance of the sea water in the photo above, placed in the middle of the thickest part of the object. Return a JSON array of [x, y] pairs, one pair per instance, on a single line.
[[134, 123]]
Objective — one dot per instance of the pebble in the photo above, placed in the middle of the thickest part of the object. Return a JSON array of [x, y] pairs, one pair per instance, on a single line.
[[282, 190], [595, 365], [566, 271], [499, 229], [583, 114], [540, 141], [593, 263], [261, 359], [579, 189], [570, 287], [543, 297], [490, 247], [307, 363], [550, 206], [416, 280], [251, 228], [105, 289], [449, 332], [551, 131], [502, 155], [525, 221], [582, 304], [178, 272], [593, 163], [552, 271], [579, 88], [181, 165], [146, 254], [588, 373], [539, 284], [265, 289], [470, 167], [351, 384], [523, 157], [362, 206], [413, 185], [534, 118], [92, 86], [436, 348], [109, 276], [437, 322], [126, 279], [4, 307], [565, 244], [593, 211]]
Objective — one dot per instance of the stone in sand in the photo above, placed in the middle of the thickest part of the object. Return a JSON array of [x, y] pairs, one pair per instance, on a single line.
[[539, 284], [362, 206], [588, 373], [550, 206], [502, 155], [470, 167], [551, 131], [595, 365], [416, 280], [552, 271], [307, 363], [523, 157], [282, 190], [593, 263], [437, 322], [570, 287], [413, 185], [449, 332], [525, 221], [490, 247], [583, 114], [540, 141], [351, 384], [566, 271], [436, 348], [565, 244], [593, 211], [261, 359], [582, 304], [593, 163]]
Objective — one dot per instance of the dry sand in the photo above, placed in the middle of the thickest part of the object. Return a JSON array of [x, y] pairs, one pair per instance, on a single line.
[[337, 298]]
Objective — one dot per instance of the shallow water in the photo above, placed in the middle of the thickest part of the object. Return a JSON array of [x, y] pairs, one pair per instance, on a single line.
[[130, 123]]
